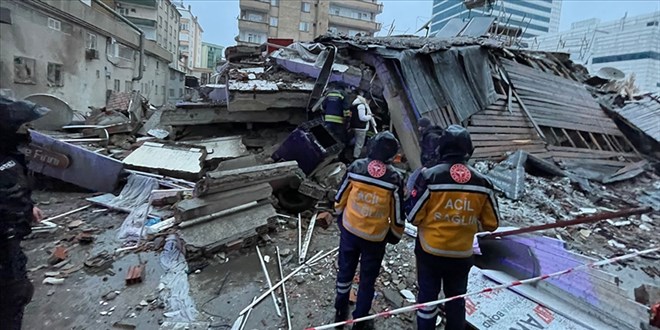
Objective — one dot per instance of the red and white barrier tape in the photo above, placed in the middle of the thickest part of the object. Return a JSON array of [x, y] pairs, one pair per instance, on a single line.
[[494, 288]]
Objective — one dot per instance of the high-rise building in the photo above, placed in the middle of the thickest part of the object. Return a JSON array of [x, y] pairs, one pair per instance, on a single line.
[[303, 20], [190, 39], [159, 19], [211, 55], [533, 17], [630, 44]]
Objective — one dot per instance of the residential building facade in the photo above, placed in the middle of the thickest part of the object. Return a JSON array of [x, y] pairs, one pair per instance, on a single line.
[[190, 39], [79, 52], [303, 20], [159, 19], [533, 17], [630, 44]]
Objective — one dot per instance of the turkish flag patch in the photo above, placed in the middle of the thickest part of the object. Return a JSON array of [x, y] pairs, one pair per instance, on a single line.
[[460, 173], [376, 168]]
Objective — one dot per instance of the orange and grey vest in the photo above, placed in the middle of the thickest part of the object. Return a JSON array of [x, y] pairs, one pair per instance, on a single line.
[[453, 203], [371, 199]]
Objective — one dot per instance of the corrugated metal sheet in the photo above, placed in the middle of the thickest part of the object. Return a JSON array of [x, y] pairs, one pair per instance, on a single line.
[[644, 115]]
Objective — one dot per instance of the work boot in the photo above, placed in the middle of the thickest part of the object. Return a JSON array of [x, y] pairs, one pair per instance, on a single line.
[[341, 316], [364, 325]]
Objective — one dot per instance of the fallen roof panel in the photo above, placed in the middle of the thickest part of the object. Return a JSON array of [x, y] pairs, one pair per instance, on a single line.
[[645, 115]]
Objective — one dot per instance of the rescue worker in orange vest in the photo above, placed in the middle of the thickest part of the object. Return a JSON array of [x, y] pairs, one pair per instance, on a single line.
[[452, 203], [370, 207]]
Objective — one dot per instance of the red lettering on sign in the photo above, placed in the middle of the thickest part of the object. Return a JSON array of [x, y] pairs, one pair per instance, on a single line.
[[470, 307], [545, 314]]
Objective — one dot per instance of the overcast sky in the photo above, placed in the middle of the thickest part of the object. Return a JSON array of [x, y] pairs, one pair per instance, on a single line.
[[218, 17]]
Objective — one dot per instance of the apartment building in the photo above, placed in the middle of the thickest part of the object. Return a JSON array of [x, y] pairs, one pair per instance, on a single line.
[[190, 39], [303, 20], [533, 17], [80, 52], [630, 44], [159, 19], [211, 55]]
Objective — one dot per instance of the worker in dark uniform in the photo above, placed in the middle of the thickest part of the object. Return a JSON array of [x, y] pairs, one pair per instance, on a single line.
[[452, 203], [17, 211], [369, 204], [335, 106], [429, 138]]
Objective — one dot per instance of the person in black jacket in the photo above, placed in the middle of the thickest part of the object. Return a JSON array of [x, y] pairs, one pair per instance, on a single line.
[[369, 204], [17, 211]]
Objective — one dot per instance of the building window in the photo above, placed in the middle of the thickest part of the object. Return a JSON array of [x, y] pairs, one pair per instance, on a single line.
[[171, 92], [157, 65], [163, 89], [304, 26], [184, 26], [128, 86], [273, 21], [117, 85], [652, 23], [55, 75], [160, 21], [132, 10], [332, 29], [274, 3], [91, 41], [180, 92], [54, 24], [306, 7], [156, 90], [24, 70]]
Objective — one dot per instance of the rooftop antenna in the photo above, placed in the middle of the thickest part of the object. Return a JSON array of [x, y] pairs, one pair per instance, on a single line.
[[427, 27]]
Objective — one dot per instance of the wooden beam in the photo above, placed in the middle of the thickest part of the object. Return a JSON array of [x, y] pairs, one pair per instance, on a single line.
[[593, 138], [557, 139], [531, 119], [569, 138], [583, 140]]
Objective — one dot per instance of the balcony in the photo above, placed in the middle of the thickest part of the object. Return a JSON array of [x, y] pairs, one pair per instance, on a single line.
[[258, 5], [143, 3], [354, 23], [371, 6], [246, 25]]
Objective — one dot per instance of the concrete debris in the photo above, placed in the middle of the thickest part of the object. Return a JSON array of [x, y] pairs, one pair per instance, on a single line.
[[222, 148], [199, 206], [53, 281], [219, 181], [173, 160]]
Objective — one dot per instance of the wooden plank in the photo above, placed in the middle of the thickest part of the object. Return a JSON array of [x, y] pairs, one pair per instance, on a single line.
[[569, 138], [557, 139], [531, 119], [505, 148], [583, 140], [486, 136], [505, 116], [479, 129], [586, 153], [511, 142], [575, 126], [522, 122], [593, 138]]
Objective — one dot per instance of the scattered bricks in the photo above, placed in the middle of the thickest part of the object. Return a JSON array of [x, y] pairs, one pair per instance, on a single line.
[[58, 255], [134, 274], [324, 219]]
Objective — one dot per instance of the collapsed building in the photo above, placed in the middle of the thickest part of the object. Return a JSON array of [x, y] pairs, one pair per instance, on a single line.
[[526, 111]]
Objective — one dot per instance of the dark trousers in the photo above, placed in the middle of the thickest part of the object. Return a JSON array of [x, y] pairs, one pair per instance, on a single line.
[[353, 249], [450, 275], [337, 130], [15, 288]]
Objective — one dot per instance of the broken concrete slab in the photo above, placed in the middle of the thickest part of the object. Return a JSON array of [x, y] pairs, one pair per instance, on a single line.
[[199, 206], [206, 113], [222, 148], [81, 168], [214, 235], [180, 161], [218, 181], [312, 189], [241, 162]]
